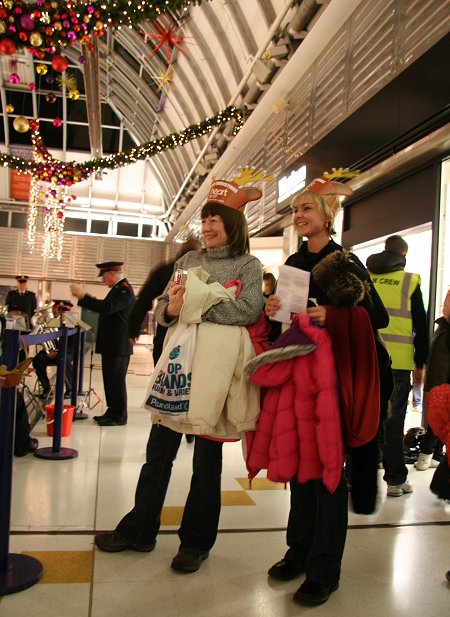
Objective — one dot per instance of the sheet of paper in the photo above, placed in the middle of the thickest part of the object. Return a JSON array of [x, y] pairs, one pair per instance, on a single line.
[[292, 289]]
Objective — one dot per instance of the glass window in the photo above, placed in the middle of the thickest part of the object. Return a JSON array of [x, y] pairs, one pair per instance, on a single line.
[[72, 224], [127, 229], [99, 227], [19, 220]]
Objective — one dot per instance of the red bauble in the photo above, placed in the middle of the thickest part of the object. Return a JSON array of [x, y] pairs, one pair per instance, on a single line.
[[59, 63], [7, 46]]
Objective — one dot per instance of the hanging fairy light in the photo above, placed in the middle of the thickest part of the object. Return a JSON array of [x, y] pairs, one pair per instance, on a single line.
[[55, 200], [33, 209], [52, 197]]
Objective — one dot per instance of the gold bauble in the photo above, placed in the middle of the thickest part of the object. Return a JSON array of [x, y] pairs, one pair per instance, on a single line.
[[9, 108], [74, 94], [8, 4], [54, 5], [21, 124], [57, 26], [2, 27], [99, 25], [42, 69], [36, 39]]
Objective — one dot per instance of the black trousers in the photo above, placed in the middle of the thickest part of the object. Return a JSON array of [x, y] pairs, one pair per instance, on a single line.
[[200, 521], [114, 371], [40, 363], [317, 529]]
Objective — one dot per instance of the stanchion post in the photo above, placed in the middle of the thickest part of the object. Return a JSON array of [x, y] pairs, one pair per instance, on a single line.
[[17, 572], [56, 452], [75, 368], [82, 352]]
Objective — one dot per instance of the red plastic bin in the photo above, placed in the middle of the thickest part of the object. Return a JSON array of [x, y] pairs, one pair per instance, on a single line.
[[67, 419]]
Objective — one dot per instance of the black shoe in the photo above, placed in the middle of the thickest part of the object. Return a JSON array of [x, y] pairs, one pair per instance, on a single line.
[[29, 449], [312, 593], [285, 570], [112, 543], [105, 416], [67, 394], [110, 422], [188, 560], [97, 418], [190, 438], [44, 395]]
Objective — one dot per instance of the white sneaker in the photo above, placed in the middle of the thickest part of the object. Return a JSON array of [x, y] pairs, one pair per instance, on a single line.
[[397, 490], [423, 462]]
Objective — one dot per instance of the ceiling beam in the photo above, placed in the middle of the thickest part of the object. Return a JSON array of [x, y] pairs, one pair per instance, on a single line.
[[93, 100]]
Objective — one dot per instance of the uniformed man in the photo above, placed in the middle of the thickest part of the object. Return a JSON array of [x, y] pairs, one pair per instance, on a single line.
[[406, 339], [21, 298], [49, 357], [112, 338]]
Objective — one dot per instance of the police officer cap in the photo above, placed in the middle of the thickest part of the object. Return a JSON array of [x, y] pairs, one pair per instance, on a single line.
[[22, 278], [63, 305], [109, 266]]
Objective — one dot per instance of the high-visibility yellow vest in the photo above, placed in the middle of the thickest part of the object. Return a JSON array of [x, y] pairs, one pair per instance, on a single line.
[[395, 290]]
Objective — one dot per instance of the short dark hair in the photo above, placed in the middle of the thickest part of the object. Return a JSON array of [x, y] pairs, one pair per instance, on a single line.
[[190, 244], [396, 244], [235, 226], [268, 276]]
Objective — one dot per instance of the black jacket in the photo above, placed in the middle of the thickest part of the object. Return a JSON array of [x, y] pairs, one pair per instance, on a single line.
[[25, 302], [438, 364], [153, 287], [114, 313]]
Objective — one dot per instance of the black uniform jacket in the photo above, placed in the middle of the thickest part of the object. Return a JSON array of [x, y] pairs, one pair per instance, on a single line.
[[114, 313], [25, 302], [152, 288]]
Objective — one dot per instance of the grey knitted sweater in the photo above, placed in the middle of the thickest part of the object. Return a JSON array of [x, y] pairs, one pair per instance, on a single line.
[[223, 268]]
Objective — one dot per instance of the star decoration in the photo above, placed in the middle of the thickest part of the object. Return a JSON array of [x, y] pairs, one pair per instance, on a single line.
[[166, 37], [69, 81], [163, 79]]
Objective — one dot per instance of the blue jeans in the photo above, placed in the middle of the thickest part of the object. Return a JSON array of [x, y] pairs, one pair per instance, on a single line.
[[395, 470], [200, 521]]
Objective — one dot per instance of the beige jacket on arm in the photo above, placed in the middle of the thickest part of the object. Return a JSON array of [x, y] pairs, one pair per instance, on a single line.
[[223, 404]]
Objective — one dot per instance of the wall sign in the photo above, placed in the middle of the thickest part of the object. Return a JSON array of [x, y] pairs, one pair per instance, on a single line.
[[288, 185]]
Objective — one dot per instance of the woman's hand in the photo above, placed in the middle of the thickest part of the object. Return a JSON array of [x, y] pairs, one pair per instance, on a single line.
[[318, 315], [176, 293], [273, 304]]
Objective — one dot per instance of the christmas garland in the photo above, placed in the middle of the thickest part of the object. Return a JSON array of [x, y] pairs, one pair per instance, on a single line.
[[45, 26], [45, 167]]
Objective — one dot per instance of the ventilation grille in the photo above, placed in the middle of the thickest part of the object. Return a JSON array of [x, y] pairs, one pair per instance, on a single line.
[[80, 254]]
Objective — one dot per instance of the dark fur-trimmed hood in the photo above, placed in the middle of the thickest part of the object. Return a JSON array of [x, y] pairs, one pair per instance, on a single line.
[[342, 280]]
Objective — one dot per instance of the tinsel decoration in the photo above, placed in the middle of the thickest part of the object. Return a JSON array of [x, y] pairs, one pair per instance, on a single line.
[[166, 37], [44, 27], [163, 79], [67, 173]]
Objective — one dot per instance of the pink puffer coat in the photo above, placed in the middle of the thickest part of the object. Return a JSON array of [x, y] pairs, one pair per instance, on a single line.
[[299, 429]]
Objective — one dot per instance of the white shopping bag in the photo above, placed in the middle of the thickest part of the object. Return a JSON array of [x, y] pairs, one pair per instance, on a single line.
[[170, 383]]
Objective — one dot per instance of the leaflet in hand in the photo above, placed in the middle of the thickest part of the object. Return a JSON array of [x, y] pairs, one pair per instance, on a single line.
[[292, 289]]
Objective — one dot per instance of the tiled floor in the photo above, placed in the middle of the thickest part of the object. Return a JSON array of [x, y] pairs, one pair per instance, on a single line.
[[394, 562]]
